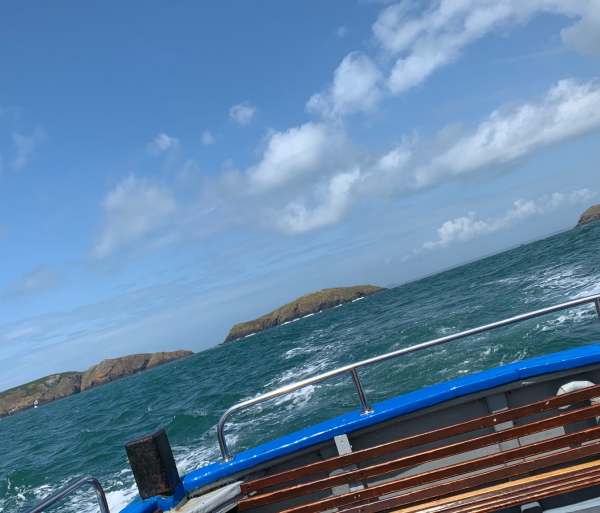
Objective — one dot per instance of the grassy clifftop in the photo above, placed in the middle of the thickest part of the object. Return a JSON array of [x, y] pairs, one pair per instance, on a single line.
[[57, 386], [590, 215], [304, 305]]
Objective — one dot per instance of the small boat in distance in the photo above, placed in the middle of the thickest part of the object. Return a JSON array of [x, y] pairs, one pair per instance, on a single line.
[[521, 437]]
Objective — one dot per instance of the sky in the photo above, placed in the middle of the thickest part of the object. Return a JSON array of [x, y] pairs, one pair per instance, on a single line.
[[170, 168]]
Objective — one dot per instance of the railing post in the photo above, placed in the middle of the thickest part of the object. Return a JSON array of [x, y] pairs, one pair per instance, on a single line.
[[597, 303], [361, 393], [67, 490], [221, 437], [101, 496]]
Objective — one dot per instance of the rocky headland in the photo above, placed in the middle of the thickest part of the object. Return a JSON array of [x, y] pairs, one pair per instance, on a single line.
[[57, 386], [304, 305], [590, 215]]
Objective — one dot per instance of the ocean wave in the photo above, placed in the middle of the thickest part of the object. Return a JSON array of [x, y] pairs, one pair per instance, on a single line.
[[578, 315], [590, 289], [117, 500], [191, 458], [296, 399], [297, 373], [509, 280], [118, 495], [310, 345], [572, 281]]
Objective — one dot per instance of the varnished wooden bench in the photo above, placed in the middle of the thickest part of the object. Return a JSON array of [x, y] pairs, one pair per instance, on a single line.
[[397, 490], [514, 493]]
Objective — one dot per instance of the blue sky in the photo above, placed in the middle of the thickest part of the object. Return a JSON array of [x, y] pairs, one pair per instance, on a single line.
[[171, 168]]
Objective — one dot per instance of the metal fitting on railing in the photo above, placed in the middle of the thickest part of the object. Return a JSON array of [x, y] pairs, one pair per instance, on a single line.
[[353, 368], [70, 488]]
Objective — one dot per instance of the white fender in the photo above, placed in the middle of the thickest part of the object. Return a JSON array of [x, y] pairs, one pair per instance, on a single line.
[[571, 386]]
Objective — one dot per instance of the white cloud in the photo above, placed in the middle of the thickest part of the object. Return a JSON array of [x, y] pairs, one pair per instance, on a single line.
[[355, 88], [341, 31], [470, 227], [242, 113], [299, 183], [390, 172], [395, 160], [25, 146], [134, 210], [584, 36], [295, 153], [20, 332], [298, 165], [207, 138], [425, 40], [332, 204], [462, 229], [418, 38], [162, 143], [567, 110], [38, 280]]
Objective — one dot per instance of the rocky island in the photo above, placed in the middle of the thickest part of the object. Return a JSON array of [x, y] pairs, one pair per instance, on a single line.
[[57, 386], [304, 305], [590, 215]]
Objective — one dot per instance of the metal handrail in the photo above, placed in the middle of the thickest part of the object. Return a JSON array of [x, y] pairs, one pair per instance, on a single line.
[[70, 488], [352, 369]]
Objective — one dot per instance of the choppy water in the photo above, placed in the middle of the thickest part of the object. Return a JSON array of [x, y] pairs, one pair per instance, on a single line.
[[84, 434]]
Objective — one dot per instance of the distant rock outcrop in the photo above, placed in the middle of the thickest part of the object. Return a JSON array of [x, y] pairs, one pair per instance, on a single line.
[[310, 303], [43, 390], [57, 386], [590, 215], [115, 368]]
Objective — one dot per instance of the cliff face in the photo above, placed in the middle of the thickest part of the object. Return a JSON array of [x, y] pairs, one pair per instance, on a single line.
[[42, 390], [115, 368], [590, 215], [310, 303], [57, 386]]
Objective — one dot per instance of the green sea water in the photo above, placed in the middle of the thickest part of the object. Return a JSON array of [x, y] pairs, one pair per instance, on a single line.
[[43, 449]]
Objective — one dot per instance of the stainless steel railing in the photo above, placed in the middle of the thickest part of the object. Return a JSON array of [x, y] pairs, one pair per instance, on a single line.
[[352, 369], [69, 489]]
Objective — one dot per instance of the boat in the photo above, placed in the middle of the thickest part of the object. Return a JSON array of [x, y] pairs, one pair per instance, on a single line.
[[520, 437]]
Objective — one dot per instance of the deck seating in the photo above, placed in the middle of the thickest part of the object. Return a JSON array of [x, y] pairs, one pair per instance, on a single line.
[[308, 489], [513, 493]]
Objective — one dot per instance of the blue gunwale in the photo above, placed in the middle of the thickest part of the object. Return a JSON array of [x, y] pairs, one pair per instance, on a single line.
[[383, 411]]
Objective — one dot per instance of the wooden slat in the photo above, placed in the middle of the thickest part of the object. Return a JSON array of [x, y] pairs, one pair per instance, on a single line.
[[522, 494], [425, 456], [421, 439], [531, 494], [449, 488], [445, 472], [515, 492], [498, 489]]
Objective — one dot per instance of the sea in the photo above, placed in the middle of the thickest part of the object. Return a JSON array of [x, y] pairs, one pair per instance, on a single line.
[[43, 449]]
